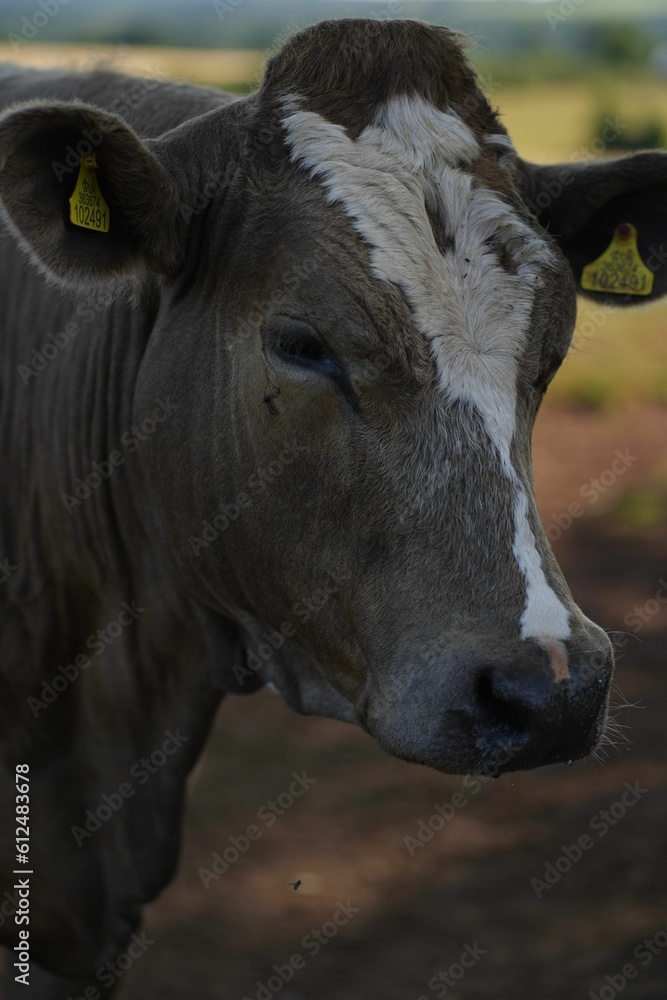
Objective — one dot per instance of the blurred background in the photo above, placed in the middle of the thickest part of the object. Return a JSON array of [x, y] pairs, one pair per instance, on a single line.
[[564, 73]]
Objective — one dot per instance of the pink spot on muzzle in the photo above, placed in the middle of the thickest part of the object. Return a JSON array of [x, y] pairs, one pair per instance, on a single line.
[[557, 659]]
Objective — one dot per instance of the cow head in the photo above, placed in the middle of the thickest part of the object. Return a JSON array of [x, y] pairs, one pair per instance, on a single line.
[[360, 319]]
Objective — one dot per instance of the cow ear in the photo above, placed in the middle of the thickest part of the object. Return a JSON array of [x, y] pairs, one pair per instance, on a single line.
[[128, 204], [582, 205]]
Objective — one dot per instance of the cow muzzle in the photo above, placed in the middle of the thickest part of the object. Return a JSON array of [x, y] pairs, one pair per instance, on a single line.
[[470, 713]]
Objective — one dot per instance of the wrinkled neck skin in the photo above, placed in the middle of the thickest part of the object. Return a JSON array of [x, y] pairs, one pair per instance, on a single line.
[[90, 553], [92, 589]]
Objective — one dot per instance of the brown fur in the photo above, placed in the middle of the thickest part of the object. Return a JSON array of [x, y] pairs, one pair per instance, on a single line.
[[346, 69]]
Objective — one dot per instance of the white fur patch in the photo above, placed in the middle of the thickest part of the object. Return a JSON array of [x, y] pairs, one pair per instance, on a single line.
[[408, 163], [503, 145]]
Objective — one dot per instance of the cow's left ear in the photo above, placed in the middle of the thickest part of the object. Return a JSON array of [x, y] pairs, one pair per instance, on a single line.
[[588, 206], [116, 217]]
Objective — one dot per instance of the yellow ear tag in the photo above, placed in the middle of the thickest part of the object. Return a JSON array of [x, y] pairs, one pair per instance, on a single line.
[[87, 207], [620, 269]]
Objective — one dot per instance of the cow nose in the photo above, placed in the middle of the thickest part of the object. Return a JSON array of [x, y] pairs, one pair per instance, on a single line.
[[533, 719]]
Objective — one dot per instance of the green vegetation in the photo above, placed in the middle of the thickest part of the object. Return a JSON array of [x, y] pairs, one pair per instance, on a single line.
[[575, 50], [641, 508], [619, 44], [643, 132]]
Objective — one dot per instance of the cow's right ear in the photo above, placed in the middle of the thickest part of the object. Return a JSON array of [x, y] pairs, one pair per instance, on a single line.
[[42, 145], [586, 205]]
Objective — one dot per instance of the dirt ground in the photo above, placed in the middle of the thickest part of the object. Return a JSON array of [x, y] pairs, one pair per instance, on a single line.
[[472, 890], [411, 917]]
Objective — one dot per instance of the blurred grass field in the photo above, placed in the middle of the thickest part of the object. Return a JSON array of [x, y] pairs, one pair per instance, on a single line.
[[236, 69], [620, 359]]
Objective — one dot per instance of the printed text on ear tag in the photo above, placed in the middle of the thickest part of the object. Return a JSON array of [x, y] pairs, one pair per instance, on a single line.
[[87, 207], [620, 269]]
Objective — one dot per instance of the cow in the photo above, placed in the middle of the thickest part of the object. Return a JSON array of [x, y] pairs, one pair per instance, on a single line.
[[270, 367]]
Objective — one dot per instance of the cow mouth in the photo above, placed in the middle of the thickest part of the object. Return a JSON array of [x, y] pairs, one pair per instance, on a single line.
[[528, 754], [494, 737]]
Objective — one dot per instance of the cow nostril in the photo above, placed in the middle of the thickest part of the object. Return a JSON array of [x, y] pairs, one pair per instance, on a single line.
[[500, 712], [516, 707]]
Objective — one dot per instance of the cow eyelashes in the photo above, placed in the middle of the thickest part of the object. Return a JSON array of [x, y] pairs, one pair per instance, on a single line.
[[302, 349]]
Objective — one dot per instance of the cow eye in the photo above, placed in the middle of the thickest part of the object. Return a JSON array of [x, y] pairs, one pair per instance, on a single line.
[[303, 349]]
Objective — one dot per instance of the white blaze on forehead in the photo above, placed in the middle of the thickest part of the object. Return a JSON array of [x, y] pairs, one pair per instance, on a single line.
[[476, 314]]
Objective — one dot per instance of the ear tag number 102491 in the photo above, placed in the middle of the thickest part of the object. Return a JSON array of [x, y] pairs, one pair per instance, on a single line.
[[87, 207], [620, 269]]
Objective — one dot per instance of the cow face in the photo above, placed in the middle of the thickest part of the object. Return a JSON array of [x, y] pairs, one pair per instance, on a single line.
[[361, 326]]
